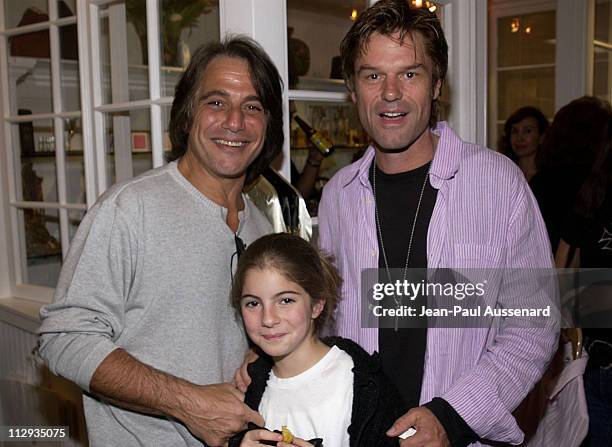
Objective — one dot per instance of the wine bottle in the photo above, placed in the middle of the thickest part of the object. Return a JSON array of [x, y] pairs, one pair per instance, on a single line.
[[317, 138]]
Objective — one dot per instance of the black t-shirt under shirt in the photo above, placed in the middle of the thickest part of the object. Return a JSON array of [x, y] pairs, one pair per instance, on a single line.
[[402, 351], [397, 195]]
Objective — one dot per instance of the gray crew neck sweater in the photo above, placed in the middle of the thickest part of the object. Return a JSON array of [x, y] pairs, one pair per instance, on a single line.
[[148, 271]]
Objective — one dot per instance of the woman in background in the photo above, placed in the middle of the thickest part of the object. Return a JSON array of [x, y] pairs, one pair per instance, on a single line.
[[586, 242], [566, 157], [523, 134]]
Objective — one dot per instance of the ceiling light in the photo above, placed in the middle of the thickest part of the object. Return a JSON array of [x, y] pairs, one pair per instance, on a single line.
[[515, 25]]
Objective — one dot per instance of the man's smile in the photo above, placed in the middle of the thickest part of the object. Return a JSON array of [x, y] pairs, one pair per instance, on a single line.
[[391, 115], [231, 143]]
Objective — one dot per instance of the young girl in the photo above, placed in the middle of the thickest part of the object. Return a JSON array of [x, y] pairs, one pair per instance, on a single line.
[[329, 389]]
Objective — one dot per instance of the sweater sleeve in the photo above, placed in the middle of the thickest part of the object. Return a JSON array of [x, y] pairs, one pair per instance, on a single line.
[[80, 328]]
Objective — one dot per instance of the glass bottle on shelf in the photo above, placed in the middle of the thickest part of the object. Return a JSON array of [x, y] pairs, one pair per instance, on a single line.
[[316, 138]]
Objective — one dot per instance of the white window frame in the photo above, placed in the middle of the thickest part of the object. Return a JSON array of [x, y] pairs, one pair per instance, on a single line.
[[505, 8], [465, 25], [12, 264], [119, 89], [16, 253], [572, 57], [590, 51]]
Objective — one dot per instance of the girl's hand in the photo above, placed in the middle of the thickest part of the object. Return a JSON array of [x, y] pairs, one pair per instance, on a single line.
[[252, 438], [297, 442]]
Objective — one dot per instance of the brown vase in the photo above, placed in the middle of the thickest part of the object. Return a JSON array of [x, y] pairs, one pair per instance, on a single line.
[[299, 58]]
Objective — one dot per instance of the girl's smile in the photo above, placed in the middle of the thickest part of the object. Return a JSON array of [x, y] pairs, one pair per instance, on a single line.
[[278, 316]]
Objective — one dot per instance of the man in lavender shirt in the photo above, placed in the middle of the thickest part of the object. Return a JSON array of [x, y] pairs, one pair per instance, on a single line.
[[421, 197]]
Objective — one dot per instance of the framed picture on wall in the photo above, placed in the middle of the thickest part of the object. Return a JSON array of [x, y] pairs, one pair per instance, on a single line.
[[140, 142]]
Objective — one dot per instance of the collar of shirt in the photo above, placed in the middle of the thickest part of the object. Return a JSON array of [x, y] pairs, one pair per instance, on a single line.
[[447, 158]]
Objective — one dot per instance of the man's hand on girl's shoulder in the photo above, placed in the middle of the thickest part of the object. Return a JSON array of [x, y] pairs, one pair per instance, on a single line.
[[242, 380]]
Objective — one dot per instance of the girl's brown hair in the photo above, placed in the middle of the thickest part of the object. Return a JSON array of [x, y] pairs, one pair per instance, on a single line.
[[299, 262]]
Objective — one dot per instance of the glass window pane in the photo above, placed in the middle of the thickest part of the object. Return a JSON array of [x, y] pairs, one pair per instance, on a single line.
[[25, 13], [601, 74], [518, 88], [75, 166], [74, 220], [69, 68], [123, 44], [40, 232], [105, 58], [500, 135], [603, 21], [30, 73], [128, 137], [184, 26], [340, 124], [526, 39], [316, 54], [34, 153], [66, 8]]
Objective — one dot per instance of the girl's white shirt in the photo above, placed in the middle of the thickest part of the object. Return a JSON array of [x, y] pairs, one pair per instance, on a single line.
[[314, 404]]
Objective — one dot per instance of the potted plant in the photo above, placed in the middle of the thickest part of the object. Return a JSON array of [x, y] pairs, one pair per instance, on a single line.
[[175, 16]]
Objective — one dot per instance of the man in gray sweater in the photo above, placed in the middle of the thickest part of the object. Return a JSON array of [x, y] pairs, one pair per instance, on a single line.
[[141, 317]]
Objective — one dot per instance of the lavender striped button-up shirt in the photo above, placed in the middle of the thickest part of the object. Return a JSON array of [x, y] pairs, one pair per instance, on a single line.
[[484, 216]]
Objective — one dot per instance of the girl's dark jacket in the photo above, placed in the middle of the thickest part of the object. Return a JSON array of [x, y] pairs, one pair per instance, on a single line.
[[376, 402]]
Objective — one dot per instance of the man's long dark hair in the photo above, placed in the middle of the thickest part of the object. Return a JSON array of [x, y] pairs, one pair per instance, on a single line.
[[265, 79]]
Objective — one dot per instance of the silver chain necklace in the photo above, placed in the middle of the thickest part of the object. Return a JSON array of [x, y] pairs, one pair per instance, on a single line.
[[398, 302]]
